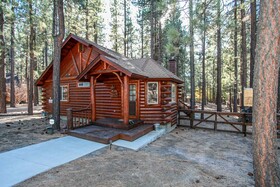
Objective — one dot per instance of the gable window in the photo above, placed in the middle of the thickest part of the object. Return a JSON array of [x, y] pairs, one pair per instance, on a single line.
[[64, 93], [83, 84], [152, 92], [173, 92]]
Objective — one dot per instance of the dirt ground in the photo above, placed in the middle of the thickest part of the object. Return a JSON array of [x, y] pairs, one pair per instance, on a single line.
[[22, 130], [184, 157]]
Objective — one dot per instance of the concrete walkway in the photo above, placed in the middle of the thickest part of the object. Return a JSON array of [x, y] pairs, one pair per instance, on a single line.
[[20, 164]]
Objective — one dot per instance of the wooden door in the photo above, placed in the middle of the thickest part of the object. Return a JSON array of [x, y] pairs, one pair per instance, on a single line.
[[132, 100]]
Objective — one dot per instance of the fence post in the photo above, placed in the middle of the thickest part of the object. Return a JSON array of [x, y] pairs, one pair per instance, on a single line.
[[192, 119], [178, 118], [69, 118], [215, 123], [244, 128]]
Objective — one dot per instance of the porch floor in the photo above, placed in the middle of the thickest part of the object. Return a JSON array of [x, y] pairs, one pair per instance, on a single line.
[[104, 135], [117, 123]]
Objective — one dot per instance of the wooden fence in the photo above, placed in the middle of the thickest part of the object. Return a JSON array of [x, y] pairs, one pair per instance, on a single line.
[[241, 119]]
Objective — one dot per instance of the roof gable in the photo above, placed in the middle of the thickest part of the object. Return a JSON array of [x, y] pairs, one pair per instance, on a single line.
[[79, 65]]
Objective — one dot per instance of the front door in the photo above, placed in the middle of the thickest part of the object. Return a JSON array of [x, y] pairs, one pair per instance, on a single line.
[[132, 100]]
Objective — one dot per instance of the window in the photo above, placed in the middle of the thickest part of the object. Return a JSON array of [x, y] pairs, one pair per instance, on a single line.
[[83, 84], [152, 92], [173, 92], [64, 93]]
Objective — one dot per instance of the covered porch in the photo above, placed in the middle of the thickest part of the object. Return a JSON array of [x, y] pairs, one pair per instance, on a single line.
[[113, 92]]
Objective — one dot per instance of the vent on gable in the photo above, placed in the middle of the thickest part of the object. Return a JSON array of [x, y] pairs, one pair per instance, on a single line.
[[81, 48]]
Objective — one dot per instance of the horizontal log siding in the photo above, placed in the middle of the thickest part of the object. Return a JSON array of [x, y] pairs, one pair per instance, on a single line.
[[79, 98], [107, 106], [149, 113]]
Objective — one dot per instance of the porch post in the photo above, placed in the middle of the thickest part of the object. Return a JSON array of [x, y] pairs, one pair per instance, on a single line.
[[92, 96], [126, 100]]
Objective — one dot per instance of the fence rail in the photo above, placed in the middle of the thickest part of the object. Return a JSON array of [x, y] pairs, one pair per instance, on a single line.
[[218, 118]]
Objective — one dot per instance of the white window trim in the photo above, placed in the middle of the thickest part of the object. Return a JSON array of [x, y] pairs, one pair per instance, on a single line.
[[148, 93], [61, 92], [173, 98]]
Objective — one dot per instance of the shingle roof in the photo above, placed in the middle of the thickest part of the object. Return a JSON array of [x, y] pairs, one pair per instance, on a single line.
[[145, 67], [154, 69]]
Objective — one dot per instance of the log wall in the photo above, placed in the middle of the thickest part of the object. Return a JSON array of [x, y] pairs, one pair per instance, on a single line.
[[107, 105]]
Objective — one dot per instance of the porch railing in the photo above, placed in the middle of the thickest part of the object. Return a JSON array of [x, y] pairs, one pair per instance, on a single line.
[[78, 118]]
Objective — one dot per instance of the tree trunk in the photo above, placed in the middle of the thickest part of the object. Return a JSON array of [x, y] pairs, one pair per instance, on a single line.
[[243, 54], [36, 95], [219, 60], [95, 31], [26, 66], [235, 88], [253, 40], [46, 50], [192, 56], [3, 108], [203, 61], [278, 96], [58, 35], [124, 34], [87, 26], [152, 30], [266, 166], [142, 35], [12, 57], [31, 55]]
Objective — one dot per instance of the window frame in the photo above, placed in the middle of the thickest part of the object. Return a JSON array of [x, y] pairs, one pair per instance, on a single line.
[[147, 92], [173, 97], [61, 93]]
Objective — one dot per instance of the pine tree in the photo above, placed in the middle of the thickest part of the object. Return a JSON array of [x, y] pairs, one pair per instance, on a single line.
[[3, 108], [265, 160], [12, 56], [58, 35], [219, 59]]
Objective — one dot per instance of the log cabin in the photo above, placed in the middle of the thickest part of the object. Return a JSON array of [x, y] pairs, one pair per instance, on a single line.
[[97, 83]]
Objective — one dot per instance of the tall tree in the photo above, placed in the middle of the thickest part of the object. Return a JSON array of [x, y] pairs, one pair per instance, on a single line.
[[32, 58], [3, 108], [115, 36], [243, 52], [58, 35], [192, 54], [266, 166], [253, 39], [235, 88], [219, 59], [152, 32], [203, 102], [125, 28], [12, 57]]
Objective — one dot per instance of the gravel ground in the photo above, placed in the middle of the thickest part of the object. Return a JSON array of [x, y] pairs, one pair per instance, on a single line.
[[22, 130], [184, 157]]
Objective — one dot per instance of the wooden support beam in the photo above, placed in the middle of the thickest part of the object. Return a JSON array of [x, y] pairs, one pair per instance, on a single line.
[[92, 96], [118, 77], [75, 63], [88, 58], [126, 100], [81, 64]]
